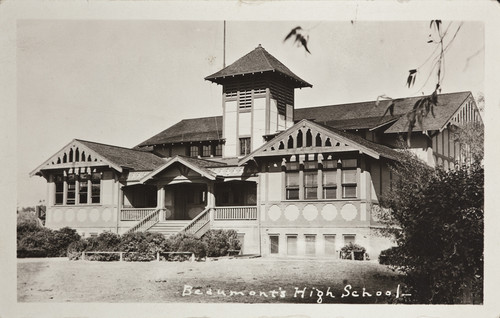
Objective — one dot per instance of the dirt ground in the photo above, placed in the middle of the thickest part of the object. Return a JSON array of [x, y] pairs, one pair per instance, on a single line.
[[258, 280]]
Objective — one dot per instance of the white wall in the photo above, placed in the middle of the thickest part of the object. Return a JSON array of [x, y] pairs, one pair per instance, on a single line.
[[229, 130], [259, 122]]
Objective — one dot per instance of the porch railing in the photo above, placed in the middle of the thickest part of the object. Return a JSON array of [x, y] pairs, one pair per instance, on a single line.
[[132, 214], [200, 224], [236, 213], [147, 222]]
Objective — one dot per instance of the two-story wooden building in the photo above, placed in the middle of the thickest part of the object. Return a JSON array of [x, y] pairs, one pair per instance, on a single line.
[[290, 181]]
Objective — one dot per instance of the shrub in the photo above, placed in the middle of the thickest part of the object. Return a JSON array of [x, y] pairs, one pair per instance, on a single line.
[[143, 244], [76, 248], [358, 250], [60, 240], [218, 242], [391, 256], [33, 240], [182, 242]]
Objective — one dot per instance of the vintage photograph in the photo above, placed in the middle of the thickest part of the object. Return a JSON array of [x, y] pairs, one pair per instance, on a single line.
[[236, 161]]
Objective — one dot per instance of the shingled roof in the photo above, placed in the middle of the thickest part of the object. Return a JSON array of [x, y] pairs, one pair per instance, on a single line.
[[366, 115], [363, 115], [125, 157], [257, 61], [187, 130]]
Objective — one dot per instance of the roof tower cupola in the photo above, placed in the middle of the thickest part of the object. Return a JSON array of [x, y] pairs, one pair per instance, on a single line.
[[257, 99]]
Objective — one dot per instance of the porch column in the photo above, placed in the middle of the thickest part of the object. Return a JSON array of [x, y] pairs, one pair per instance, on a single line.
[[160, 201], [51, 191], [211, 199]]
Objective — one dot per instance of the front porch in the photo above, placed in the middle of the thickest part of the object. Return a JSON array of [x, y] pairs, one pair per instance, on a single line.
[[190, 207]]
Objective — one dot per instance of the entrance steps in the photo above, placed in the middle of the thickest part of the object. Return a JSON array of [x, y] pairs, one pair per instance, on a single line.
[[168, 228]]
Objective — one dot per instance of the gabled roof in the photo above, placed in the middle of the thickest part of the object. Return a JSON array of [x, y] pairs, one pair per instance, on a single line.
[[367, 115], [257, 61], [188, 130], [339, 142], [198, 165], [118, 158], [125, 157]]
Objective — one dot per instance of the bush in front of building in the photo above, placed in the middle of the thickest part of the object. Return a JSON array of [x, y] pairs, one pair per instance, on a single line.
[[142, 246], [182, 242], [351, 248], [391, 256], [34, 240], [219, 242]]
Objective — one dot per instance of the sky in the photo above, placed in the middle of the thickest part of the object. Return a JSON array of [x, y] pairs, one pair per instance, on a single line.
[[122, 81]]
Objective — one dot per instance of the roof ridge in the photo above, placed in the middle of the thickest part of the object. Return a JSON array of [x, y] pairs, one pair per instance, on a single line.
[[373, 101], [263, 52], [203, 159], [114, 146]]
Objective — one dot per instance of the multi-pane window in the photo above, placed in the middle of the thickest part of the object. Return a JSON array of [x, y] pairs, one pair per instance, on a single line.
[[349, 178], [244, 146], [194, 151], [83, 189], [79, 189], [59, 182], [206, 150], [292, 185], [96, 187], [218, 150], [312, 183], [71, 193], [329, 184]]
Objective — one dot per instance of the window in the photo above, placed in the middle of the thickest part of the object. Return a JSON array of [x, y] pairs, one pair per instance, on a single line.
[[194, 151], [274, 241], [330, 245], [292, 185], [329, 184], [96, 187], [83, 189], [333, 175], [59, 182], [218, 150], [77, 188], [349, 178], [206, 151], [349, 238], [310, 244], [291, 244], [71, 194], [311, 184], [244, 146]]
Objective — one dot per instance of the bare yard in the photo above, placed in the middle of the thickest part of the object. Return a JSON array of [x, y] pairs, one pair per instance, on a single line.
[[259, 280]]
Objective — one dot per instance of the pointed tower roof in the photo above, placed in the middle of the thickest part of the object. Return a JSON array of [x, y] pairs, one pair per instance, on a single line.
[[257, 61]]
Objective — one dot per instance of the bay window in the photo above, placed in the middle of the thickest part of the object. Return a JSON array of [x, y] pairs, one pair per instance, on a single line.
[[77, 189], [333, 179]]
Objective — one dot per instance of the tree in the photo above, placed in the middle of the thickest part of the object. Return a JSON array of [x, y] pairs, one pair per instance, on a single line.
[[437, 219]]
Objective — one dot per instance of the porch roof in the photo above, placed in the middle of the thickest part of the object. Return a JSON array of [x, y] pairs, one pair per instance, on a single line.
[[200, 166]]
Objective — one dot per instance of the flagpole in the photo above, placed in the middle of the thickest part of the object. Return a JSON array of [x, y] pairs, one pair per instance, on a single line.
[[224, 47]]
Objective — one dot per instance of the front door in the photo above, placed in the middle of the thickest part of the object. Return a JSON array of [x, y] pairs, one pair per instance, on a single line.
[[180, 198]]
